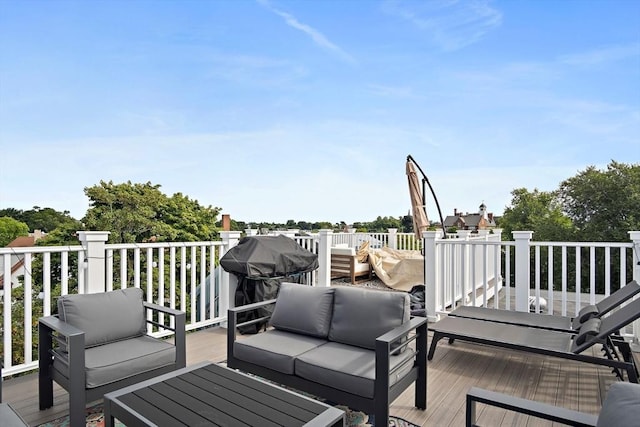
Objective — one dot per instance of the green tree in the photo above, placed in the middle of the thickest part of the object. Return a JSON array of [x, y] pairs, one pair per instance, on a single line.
[[141, 213], [10, 229], [537, 211], [45, 219], [603, 204]]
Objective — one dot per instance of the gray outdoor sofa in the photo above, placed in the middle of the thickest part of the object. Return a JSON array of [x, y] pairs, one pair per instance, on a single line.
[[98, 343], [351, 346]]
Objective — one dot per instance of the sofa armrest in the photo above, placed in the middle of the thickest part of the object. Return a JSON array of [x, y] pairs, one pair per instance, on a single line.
[[384, 351], [232, 322], [251, 306], [179, 329], [525, 406]]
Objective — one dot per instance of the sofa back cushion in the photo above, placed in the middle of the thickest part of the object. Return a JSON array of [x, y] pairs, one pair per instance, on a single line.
[[362, 315], [105, 317], [303, 309]]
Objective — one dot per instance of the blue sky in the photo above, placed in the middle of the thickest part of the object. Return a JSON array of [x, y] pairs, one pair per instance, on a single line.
[[306, 110]]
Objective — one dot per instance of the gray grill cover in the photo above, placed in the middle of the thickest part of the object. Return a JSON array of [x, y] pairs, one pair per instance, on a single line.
[[259, 257]]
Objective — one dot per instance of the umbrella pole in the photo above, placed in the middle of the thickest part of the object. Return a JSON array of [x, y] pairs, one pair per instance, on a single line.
[[426, 180]]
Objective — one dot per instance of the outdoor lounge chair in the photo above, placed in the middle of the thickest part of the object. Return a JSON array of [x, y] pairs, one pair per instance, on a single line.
[[566, 345], [548, 321], [98, 343], [621, 407]]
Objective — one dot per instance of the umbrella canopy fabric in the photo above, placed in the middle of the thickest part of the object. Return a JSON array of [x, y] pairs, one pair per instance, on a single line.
[[420, 220], [268, 256]]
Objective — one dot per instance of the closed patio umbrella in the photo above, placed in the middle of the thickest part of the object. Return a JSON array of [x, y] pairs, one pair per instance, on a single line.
[[420, 220], [417, 193]]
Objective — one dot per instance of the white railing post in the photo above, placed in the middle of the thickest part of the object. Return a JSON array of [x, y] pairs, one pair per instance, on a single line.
[[325, 241], [393, 238], [430, 274], [93, 243], [497, 237], [635, 237], [228, 282], [522, 240]]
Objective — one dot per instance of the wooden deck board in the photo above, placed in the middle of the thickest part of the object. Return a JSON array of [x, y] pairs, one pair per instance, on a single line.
[[454, 369]]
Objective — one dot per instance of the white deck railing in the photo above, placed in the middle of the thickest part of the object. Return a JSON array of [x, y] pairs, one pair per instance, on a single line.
[[462, 269]]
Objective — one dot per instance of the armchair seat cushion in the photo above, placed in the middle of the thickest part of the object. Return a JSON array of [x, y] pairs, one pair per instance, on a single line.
[[118, 360], [348, 368], [275, 349]]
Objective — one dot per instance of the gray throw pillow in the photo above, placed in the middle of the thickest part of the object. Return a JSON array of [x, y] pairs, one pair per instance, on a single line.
[[106, 316], [303, 309]]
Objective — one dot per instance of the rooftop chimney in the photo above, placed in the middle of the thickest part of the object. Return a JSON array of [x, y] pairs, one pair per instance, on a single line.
[[226, 222]]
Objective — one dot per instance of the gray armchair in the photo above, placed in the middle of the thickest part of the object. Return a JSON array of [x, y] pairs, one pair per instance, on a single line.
[[98, 343], [8, 416], [621, 407]]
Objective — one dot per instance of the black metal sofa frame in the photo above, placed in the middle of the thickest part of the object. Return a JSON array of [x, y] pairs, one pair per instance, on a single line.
[[389, 343], [566, 345]]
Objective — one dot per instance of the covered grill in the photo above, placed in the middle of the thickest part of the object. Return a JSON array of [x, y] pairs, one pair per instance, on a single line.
[[261, 263]]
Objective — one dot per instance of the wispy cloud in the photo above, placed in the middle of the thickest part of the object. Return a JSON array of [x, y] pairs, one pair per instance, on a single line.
[[318, 38], [451, 24], [603, 55]]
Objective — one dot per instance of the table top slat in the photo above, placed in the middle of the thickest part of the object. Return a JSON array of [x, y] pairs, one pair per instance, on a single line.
[[149, 411]]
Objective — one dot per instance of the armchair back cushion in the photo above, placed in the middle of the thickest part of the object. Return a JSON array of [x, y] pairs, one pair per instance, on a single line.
[[303, 309], [621, 407], [361, 317], [105, 317]]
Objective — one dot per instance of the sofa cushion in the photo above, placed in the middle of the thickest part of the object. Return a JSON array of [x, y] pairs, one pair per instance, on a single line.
[[105, 317], [362, 315], [621, 407], [343, 251], [303, 309], [348, 368], [118, 360], [275, 349]]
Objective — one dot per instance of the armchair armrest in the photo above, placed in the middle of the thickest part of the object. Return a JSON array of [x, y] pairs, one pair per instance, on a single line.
[[179, 329], [525, 406], [53, 324]]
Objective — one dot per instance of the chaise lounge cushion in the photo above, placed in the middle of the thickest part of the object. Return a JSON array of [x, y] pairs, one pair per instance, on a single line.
[[303, 309], [275, 349], [105, 317], [348, 368], [361, 317], [115, 361]]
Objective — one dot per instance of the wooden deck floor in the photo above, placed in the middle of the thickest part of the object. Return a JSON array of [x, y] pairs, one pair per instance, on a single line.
[[452, 371]]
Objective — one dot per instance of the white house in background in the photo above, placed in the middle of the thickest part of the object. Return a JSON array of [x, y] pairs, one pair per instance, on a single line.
[[17, 261]]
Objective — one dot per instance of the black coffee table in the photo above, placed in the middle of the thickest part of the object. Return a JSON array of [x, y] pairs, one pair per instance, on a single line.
[[212, 395]]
